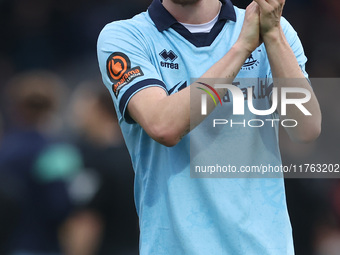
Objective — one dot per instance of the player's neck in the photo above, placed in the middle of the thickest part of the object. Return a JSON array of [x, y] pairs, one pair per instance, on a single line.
[[198, 13]]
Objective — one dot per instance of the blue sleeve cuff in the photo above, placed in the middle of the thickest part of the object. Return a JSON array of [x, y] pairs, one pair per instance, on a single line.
[[132, 91]]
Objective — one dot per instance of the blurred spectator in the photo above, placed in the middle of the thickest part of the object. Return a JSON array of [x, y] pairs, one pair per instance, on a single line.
[[50, 33], [35, 166], [107, 221]]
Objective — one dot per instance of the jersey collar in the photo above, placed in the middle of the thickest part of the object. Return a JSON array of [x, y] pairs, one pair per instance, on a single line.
[[164, 20]]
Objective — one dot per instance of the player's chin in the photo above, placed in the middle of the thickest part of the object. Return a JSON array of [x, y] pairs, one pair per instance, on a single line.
[[185, 2]]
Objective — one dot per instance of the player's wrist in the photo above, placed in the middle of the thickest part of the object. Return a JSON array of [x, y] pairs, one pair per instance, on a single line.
[[244, 48], [274, 36]]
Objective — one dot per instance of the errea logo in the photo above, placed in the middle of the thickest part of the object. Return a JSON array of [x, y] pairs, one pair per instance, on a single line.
[[169, 57]]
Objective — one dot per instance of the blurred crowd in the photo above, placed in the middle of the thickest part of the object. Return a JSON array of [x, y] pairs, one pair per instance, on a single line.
[[66, 181]]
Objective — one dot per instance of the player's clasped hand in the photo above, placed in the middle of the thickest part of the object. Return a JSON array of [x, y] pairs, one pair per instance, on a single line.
[[270, 16], [261, 21], [250, 33]]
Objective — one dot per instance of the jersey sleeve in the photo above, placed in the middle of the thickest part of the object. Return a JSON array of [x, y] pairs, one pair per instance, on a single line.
[[125, 65]]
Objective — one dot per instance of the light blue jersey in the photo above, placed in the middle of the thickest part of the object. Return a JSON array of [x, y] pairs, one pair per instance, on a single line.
[[180, 215]]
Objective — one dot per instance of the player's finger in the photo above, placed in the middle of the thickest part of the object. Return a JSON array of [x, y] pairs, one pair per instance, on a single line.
[[275, 3], [263, 4], [251, 5], [257, 8], [271, 2]]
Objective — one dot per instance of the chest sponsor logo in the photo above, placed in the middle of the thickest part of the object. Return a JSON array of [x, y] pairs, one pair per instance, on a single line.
[[169, 57], [118, 67]]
